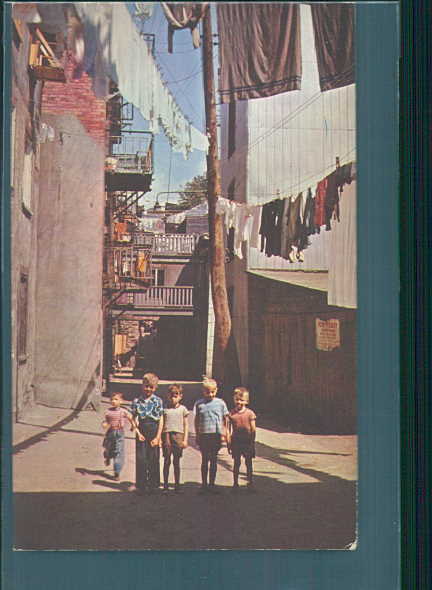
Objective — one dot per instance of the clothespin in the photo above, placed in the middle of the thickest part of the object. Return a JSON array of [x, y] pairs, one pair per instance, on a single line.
[[337, 162]]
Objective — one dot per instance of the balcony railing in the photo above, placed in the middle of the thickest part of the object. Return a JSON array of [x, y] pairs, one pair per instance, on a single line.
[[132, 153], [129, 267], [129, 167], [174, 244], [163, 297]]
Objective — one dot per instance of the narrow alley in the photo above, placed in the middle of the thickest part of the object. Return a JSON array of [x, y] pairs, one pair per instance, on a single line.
[[305, 489]]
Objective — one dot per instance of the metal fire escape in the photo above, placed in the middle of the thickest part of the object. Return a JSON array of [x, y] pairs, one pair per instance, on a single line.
[[128, 176]]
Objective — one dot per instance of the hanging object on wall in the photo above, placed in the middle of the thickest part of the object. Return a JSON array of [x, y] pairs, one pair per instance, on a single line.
[[327, 334]]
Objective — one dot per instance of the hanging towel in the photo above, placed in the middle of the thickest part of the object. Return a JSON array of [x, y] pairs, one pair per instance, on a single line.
[[241, 221], [335, 183], [259, 48], [141, 264], [342, 276], [184, 16], [334, 41], [320, 194], [254, 227]]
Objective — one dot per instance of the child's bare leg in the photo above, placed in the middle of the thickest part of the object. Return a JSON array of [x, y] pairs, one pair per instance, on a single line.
[[249, 472], [204, 468], [167, 463], [236, 470], [213, 468], [176, 464]]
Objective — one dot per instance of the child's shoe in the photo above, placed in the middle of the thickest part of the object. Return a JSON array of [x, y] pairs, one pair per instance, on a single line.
[[165, 488], [116, 477], [177, 488]]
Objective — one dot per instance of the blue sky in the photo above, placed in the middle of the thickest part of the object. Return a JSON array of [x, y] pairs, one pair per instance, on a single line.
[[182, 71]]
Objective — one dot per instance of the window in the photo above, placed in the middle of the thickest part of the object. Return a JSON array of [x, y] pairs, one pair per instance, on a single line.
[[43, 61], [27, 178], [231, 128], [22, 316], [158, 277]]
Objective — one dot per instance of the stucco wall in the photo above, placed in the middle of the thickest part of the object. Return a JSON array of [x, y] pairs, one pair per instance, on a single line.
[[23, 229], [69, 273]]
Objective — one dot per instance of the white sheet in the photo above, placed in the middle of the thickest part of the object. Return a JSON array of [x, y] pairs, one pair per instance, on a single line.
[[342, 274], [116, 49]]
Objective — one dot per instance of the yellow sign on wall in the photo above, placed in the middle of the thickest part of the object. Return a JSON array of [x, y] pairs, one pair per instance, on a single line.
[[327, 334]]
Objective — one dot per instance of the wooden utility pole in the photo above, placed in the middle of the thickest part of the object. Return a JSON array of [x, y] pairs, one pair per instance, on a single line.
[[217, 247]]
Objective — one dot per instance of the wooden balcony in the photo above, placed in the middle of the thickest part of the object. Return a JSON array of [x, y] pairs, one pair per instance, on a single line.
[[174, 244], [128, 267], [159, 298], [43, 62]]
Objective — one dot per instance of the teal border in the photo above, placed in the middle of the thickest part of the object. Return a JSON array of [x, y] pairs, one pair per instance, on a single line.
[[375, 565]]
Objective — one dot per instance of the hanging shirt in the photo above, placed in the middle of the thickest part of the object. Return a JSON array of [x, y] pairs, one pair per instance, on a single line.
[[336, 180], [320, 194], [292, 227], [270, 229]]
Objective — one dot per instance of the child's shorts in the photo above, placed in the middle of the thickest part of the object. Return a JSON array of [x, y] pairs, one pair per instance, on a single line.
[[210, 443], [171, 443], [242, 446]]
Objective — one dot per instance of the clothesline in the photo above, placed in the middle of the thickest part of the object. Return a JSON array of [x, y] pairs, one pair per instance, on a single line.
[[283, 225], [315, 178]]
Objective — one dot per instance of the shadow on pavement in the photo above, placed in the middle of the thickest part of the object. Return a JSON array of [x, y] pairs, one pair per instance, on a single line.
[[43, 436], [320, 515], [278, 456], [85, 471]]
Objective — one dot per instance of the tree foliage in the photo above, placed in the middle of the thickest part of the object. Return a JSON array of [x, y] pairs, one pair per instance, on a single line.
[[190, 199]]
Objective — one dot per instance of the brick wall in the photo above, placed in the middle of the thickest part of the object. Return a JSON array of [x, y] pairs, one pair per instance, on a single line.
[[76, 97]]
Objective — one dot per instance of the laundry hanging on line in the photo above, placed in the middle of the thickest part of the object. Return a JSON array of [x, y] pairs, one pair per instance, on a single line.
[[259, 48], [282, 227], [184, 16]]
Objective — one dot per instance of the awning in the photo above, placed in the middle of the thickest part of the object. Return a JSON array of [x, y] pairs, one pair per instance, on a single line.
[[311, 280]]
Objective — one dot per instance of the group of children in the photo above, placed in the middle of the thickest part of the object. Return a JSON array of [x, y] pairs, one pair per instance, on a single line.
[[157, 427]]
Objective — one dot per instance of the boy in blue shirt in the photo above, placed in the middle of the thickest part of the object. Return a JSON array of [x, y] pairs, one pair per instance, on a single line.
[[211, 421], [147, 411]]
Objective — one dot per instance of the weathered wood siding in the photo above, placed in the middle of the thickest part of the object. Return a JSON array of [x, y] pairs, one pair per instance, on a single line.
[[309, 389]]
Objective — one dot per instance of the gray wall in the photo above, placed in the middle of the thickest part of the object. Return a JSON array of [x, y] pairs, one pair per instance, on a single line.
[[69, 272], [23, 230]]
